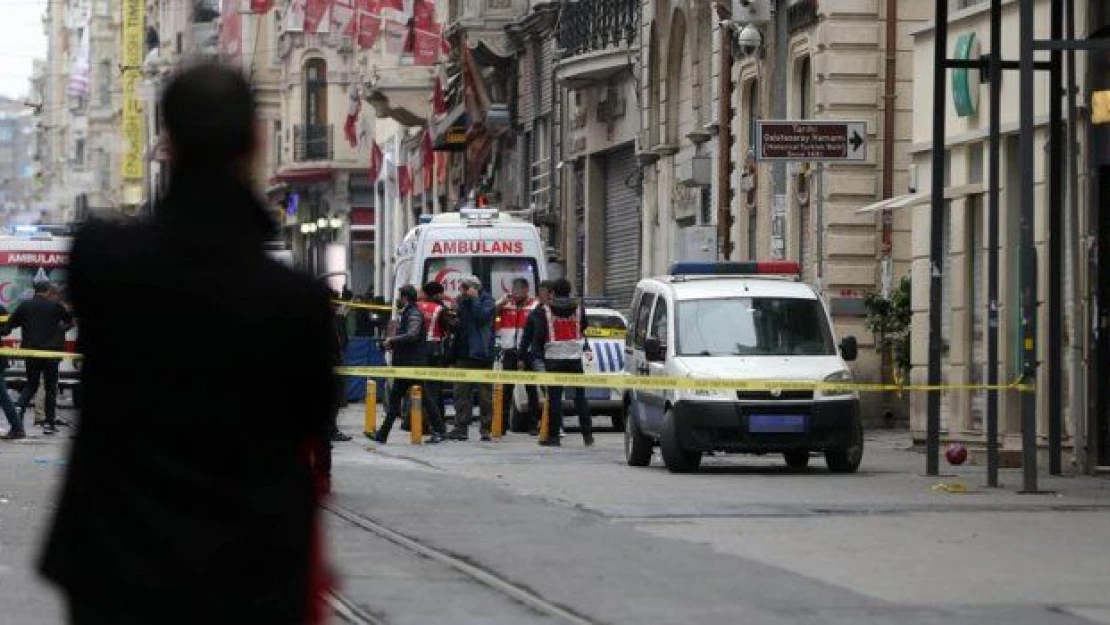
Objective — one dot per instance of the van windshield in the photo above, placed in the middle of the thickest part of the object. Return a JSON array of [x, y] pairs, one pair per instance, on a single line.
[[496, 273], [753, 326]]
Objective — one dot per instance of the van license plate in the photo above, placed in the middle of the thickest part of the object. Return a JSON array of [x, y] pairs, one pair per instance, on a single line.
[[778, 424]]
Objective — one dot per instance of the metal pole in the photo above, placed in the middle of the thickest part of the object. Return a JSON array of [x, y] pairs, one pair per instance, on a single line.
[[1055, 346], [936, 241], [724, 146], [1029, 251], [1077, 391], [993, 176], [778, 89], [817, 192]]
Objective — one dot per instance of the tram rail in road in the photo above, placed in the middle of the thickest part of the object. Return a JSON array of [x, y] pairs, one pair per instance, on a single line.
[[348, 610]]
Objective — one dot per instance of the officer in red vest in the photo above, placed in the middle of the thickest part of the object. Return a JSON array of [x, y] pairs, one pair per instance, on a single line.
[[436, 321], [564, 340], [512, 317]]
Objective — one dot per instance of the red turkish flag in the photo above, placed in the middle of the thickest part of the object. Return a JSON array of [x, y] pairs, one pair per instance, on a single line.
[[316, 15], [404, 181], [429, 154], [261, 6], [439, 101], [425, 49], [369, 23], [424, 15], [344, 17], [376, 158]]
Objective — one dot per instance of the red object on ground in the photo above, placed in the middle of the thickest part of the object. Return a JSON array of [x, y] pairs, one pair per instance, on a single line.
[[956, 454]]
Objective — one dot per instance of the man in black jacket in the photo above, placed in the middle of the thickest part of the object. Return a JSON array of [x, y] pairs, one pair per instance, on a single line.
[[190, 495], [44, 322], [410, 349]]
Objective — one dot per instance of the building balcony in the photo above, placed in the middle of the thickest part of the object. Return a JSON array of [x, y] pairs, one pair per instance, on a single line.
[[313, 143], [594, 39], [402, 94]]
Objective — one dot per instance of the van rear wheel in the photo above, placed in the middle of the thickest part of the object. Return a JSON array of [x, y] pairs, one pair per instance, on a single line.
[[677, 458]]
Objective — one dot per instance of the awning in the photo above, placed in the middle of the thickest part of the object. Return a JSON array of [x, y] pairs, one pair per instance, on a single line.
[[305, 176], [449, 133], [911, 200]]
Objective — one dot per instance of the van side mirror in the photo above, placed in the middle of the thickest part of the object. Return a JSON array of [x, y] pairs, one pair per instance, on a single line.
[[655, 350], [849, 348]]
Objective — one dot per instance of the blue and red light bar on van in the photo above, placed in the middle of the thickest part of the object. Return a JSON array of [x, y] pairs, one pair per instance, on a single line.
[[750, 268]]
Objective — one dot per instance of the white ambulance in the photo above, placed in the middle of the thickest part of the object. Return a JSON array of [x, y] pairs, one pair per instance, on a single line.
[[26, 259], [482, 242]]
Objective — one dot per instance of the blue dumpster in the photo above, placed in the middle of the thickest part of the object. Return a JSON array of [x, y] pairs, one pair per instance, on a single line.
[[363, 352]]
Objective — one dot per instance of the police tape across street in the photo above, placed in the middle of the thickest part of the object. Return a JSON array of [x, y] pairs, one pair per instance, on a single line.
[[610, 381], [586, 380]]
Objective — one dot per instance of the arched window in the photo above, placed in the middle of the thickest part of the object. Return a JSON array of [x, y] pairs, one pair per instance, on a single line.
[[316, 108]]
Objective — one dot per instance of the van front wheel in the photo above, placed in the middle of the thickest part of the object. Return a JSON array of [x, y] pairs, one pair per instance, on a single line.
[[847, 459], [677, 458]]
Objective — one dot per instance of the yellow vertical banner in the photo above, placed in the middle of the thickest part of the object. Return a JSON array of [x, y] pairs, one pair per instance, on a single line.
[[132, 61]]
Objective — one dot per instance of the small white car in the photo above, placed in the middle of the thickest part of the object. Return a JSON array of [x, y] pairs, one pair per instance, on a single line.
[[743, 321], [606, 333]]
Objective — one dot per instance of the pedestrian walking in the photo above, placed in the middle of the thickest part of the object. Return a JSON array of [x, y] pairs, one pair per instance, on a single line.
[[513, 311], [43, 321], [437, 322], [563, 338], [190, 493], [339, 325], [410, 349], [473, 347], [15, 423]]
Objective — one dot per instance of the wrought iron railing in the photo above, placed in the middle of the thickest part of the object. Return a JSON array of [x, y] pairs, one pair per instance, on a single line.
[[596, 25], [312, 143]]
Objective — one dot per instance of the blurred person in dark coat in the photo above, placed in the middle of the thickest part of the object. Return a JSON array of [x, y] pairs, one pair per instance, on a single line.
[[190, 494]]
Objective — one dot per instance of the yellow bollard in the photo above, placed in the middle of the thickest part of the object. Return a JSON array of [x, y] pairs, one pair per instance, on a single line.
[[370, 424], [416, 425], [498, 411], [545, 420]]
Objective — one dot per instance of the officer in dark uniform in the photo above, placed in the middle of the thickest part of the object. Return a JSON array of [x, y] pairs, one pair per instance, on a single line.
[[409, 347]]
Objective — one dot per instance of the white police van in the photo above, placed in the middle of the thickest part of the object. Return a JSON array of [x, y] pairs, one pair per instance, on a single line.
[[748, 321]]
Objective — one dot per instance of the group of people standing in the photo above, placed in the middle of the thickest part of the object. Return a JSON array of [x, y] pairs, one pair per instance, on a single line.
[[545, 333], [43, 320]]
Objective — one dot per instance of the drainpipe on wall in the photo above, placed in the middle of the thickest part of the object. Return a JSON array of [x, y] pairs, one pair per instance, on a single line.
[[889, 96], [724, 147], [886, 263]]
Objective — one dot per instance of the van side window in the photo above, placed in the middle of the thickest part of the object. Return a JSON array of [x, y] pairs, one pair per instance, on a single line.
[[629, 331], [643, 316], [659, 322]]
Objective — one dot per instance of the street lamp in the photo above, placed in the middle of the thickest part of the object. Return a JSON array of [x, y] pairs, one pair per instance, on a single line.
[[308, 228], [322, 223], [336, 223]]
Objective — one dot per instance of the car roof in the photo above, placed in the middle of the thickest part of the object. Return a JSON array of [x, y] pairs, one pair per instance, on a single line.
[[728, 286]]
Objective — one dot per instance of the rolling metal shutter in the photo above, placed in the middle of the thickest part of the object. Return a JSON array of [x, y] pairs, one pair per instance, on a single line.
[[622, 227]]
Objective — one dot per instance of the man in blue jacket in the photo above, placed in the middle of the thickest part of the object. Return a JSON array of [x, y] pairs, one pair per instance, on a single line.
[[473, 350]]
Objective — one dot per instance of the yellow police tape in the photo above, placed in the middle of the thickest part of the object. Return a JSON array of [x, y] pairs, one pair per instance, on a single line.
[[617, 381], [16, 352], [383, 307], [612, 381], [605, 333]]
